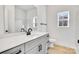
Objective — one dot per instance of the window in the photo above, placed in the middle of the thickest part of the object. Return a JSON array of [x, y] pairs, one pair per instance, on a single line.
[[63, 19]]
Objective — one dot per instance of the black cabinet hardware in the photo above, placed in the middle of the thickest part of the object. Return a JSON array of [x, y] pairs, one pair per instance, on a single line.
[[18, 52], [40, 47]]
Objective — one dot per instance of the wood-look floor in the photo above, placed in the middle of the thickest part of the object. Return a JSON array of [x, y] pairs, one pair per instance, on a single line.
[[57, 49]]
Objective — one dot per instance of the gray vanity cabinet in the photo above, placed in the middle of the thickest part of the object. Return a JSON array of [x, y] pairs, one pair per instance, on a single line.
[[37, 46]]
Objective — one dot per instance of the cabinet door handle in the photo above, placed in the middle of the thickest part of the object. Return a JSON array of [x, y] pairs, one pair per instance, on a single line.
[[48, 35], [39, 47], [18, 52]]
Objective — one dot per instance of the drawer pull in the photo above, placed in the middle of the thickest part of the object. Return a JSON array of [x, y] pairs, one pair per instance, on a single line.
[[47, 35], [18, 52]]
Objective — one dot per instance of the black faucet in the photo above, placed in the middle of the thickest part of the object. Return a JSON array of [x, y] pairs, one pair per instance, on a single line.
[[27, 32]]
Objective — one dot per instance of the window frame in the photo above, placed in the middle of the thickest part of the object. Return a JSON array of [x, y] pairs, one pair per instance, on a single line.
[[63, 15]]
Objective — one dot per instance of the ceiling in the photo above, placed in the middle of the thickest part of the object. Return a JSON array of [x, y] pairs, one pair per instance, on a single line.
[[25, 7]]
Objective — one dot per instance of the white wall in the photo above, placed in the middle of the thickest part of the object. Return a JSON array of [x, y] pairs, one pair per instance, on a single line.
[[1, 20], [77, 28], [20, 19], [63, 36], [77, 23]]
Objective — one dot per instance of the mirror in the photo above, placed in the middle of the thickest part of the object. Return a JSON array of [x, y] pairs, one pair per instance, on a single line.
[[20, 16], [25, 17]]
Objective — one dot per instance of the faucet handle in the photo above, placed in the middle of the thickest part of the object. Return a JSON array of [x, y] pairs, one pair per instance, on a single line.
[[30, 29]]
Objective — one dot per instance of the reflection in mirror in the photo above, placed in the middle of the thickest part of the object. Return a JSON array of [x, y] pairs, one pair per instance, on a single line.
[[25, 17], [9, 18], [34, 21]]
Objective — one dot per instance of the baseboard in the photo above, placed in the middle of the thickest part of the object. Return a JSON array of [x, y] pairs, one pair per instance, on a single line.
[[63, 46]]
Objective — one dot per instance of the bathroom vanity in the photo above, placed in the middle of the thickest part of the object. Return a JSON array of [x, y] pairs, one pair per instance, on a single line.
[[20, 43]]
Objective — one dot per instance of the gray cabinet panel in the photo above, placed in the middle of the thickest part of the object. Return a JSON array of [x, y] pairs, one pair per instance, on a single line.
[[37, 46], [15, 50], [32, 51]]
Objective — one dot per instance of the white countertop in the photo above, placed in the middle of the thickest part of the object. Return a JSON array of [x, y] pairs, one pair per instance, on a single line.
[[8, 41]]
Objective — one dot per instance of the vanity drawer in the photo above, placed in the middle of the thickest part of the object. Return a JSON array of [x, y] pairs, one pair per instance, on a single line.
[[16, 50]]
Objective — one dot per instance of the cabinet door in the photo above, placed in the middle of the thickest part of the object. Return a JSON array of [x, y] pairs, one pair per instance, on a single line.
[[39, 49], [42, 48], [31, 44], [32, 51]]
